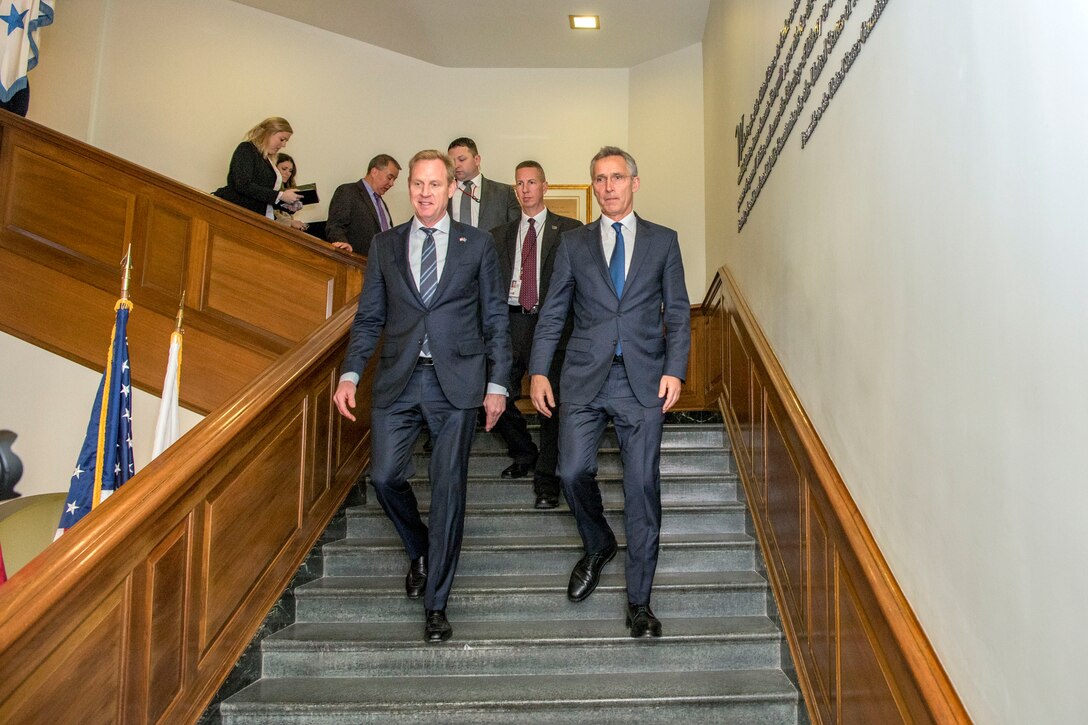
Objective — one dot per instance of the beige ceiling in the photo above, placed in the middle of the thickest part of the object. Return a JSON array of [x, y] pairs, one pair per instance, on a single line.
[[507, 33]]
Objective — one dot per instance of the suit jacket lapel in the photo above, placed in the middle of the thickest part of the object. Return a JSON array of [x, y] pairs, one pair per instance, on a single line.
[[400, 257], [640, 252], [510, 245], [597, 252], [455, 248], [550, 239]]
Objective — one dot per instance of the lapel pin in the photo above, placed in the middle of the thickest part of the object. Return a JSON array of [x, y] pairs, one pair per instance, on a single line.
[[462, 240]]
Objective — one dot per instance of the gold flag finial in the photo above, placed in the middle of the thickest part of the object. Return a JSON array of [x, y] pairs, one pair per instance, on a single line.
[[181, 312], [127, 262]]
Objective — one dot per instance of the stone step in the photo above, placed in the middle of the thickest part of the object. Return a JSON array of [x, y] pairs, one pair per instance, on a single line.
[[533, 597], [687, 461], [484, 555], [673, 436], [397, 649], [734, 696], [523, 519], [713, 488]]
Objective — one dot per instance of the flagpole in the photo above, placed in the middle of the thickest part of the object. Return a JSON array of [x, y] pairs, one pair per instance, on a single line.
[[181, 313]]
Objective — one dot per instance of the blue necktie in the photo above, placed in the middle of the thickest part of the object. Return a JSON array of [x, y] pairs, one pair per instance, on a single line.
[[428, 276], [615, 269], [615, 265]]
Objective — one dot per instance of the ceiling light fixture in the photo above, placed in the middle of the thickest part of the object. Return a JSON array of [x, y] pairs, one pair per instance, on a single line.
[[585, 22]]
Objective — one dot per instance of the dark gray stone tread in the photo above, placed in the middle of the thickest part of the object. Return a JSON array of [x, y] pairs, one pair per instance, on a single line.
[[505, 509], [536, 543], [545, 583], [397, 635], [513, 692]]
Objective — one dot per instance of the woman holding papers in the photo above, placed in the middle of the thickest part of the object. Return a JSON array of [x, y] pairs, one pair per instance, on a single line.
[[253, 181]]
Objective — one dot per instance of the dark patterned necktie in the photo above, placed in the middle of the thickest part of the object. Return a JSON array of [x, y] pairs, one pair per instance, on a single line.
[[381, 212], [466, 204], [428, 276], [528, 295]]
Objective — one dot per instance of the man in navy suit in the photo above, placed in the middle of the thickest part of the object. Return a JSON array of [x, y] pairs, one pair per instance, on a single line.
[[526, 254], [478, 201], [434, 296], [626, 359], [357, 211]]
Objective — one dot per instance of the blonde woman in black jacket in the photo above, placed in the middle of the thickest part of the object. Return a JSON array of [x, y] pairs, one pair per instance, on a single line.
[[253, 182]]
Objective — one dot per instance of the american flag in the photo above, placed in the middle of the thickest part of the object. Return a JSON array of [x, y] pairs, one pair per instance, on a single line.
[[105, 461]]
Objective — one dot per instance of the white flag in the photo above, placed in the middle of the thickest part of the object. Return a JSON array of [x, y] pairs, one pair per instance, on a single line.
[[19, 23], [167, 427]]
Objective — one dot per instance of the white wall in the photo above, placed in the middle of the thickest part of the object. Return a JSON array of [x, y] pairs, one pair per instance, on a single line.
[[174, 86], [47, 401], [920, 269], [181, 83], [666, 130]]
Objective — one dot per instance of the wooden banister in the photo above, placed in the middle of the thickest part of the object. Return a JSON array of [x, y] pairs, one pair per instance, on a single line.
[[139, 611], [68, 212], [861, 655]]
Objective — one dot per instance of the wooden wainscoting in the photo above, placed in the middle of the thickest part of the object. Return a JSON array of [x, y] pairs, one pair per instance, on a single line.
[[860, 654], [137, 614], [693, 396], [68, 212]]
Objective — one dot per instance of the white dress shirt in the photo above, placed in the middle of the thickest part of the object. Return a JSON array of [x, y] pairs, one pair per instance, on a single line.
[[608, 239]]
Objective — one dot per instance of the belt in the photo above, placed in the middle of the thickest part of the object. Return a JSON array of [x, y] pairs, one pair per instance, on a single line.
[[617, 359], [519, 310], [425, 361]]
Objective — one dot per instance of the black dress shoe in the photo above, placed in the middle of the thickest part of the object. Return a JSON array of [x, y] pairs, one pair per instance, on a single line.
[[546, 500], [437, 628], [587, 573], [517, 470], [416, 581], [642, 622]]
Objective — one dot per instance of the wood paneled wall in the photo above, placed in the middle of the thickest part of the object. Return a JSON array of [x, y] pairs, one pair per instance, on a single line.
[[69, 211], [861, 655], [137, 614]]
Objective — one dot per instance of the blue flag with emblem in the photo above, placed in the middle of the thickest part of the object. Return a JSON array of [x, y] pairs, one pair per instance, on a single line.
[[19, 23], [105, 461]]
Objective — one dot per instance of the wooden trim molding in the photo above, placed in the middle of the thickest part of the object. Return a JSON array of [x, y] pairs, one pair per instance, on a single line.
[[137, 614], [860, 654], [68, 212]]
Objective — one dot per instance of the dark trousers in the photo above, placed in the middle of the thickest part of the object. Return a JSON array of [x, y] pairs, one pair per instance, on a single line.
[[393, 432], [511, 427], [639, 432]]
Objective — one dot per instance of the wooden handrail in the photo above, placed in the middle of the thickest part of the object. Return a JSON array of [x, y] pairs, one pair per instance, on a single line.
[[861, 654], [68, 212], [139, 611]]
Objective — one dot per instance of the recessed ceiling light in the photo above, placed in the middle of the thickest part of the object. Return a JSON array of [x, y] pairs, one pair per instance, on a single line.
[[585, 22]]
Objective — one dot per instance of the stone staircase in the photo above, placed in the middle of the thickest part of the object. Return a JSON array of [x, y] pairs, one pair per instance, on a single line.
[[521, 652]]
